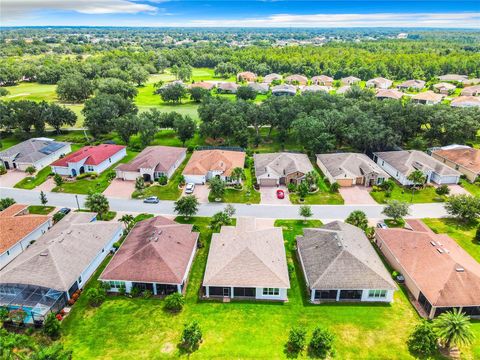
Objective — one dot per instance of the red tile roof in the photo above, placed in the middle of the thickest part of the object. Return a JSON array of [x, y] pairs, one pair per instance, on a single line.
[[156, 250], [95, 155], [445, 273]]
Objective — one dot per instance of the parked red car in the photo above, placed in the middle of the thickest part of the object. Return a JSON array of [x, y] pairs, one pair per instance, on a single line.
[[280, 194]]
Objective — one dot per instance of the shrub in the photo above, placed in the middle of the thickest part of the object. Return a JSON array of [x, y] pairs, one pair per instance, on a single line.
[[442, 190], [191, 336], [321, 343], [162, 180], [174, 302], [58, 216], [296, 339], [116, 245], [477, 234], [135, 292], [302, 190], [51, 325], [58, 180], [334, 187], [95, 296], [292, 187], [3, 170], [147, 294], [423, 340], [59, 317]]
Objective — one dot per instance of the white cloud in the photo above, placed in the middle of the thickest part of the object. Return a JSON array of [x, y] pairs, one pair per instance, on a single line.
[[445, 20], [20, 8]]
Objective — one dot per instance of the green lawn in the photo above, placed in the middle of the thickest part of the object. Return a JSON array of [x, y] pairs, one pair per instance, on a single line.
[[246, 195], [462, 233], [322, 196], [425, 195], [99, 184], [171, 191], [123, 328], [40, 209], [31, 182], [473, 189]]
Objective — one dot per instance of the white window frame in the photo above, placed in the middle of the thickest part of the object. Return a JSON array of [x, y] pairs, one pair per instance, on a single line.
[[271, 291], [377, 294]]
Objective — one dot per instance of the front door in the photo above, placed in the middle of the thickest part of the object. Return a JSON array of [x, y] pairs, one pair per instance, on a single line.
[[226, 292], [7, 165]]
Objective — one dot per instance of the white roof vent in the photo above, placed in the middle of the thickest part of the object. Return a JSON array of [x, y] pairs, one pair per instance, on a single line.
[[459, 269], [440, 250]]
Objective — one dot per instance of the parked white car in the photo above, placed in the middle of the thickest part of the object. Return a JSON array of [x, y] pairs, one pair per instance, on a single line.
[[189, 188]]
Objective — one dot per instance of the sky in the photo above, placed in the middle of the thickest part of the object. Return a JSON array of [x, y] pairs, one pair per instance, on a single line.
[[250, 13]]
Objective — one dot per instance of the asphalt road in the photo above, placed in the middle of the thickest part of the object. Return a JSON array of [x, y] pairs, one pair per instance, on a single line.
[[324, 212]]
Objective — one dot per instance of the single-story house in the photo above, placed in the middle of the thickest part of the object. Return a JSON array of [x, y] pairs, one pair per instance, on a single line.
[[350, 80], [284, 168], [392, 94], [260, 88], [268, 79], [323, 80], [156, 255], [171, 83], [400, 164], [453, 77], [152, 162], [206, 164], [411, 84], [203, 84], [340, 264], [466, 101], [227, 87], [296, 79], [379, 83], [471, 91], [343, 89], [43, 277], [444, 88], [247, 76], [38, 152], [18, 229], [89, 159], [315, 88], [438, 272], [461, 158], [472, 81], [349, 169], [247, 262], [427, 98], [284, 89]]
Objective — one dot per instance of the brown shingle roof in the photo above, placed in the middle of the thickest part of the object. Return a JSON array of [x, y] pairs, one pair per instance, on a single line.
[[428, 96], [15, 225], [244, 256], [203, 161], [447, 278], [156, 250], [302, 80], [389, 94], [159, 158], [467, 157]]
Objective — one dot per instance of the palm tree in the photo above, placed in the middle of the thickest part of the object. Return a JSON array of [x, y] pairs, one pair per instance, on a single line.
[[127, 220], [311, 178], [453, 329], [418, 178], [237, 174], [359, 219]]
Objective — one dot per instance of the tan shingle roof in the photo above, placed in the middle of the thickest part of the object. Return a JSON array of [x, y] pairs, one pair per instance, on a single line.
[[465, 101], [159, 158], [389, 94], [277, 165], [244, 256], [303, 80], [58, 258], [428, 96], [350, 165], [156, 250], [203, 161], [467, 157], [16, 225], [447, 278]]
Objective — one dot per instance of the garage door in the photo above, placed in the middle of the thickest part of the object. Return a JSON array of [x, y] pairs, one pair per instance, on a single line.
[[449, 179], [345, 182], [268, 182]]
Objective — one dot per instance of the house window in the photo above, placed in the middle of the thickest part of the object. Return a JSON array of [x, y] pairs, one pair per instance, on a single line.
[[271, 291], [116, 284], [377, 293], [8, 252], [80, 279], [90, 168], [109, 159]]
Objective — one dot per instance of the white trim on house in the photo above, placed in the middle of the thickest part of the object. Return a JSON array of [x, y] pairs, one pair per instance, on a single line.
[[278, 294]]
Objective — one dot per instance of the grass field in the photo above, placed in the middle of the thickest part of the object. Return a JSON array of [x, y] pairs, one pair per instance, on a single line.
[[171, 191], [123, 328], [98, 184], [40, 209], [425, 195], [31, 182], [464, 234], [246, 195]]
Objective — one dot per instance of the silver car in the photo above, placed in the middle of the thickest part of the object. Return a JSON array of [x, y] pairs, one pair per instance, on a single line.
[[189, 188]]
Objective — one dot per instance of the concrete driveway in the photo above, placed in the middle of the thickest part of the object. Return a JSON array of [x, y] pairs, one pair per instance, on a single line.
[[356, 195], [458, 190], [120, 189], [47, 185], [12, 177], [268, 195], [201, 192]]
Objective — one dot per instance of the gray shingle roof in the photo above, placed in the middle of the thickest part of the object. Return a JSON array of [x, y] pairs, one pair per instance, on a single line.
[[244, 256], [32, 150], [277, 165], [58, 258], [339, 256], [350, 165], [407, 161]]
